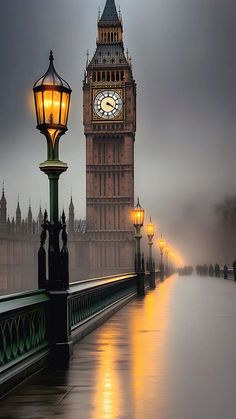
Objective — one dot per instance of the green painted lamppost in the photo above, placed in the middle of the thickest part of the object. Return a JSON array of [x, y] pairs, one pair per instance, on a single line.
[[150, 234], [151, 264], [161, 244], [138, 220], [52, 102]]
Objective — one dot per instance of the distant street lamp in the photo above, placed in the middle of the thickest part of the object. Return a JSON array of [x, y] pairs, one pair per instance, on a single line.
[[151, 264], [52, 101], [161, 244], [138, 220], [150, 234], [167, 251]]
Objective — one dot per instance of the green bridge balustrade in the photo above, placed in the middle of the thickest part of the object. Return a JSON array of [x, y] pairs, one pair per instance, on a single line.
[[35, 325]]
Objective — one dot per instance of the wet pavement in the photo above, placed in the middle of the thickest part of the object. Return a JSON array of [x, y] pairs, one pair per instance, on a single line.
[[169, 356]]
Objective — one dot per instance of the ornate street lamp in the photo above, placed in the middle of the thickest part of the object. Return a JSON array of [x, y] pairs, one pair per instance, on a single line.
[[161, 244], [52, 102], [150, 234], [138, 220]]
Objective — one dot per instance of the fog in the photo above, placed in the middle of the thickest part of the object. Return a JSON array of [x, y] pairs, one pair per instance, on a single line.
[[184, 64]]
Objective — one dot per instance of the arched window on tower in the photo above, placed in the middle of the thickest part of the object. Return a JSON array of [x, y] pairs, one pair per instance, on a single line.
[[112, 76], [94, 76], [98, 76], [105, 37], [122, 76], [108, 36], [117, 76], [108, 76], [112, 37], [103, 76]]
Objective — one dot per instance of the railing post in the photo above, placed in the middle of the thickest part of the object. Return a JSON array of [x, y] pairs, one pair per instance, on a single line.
[[57, 286], [59, 327]]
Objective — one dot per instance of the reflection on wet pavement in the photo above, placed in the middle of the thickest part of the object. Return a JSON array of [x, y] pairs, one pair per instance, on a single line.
[[169, 356]]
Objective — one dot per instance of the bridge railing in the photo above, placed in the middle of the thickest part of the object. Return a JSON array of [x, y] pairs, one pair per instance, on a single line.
[[23, 334], [34, 325], [99, 296]]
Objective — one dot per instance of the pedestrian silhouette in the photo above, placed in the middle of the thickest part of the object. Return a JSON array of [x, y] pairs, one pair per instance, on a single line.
[[234, 268], [225, 271]]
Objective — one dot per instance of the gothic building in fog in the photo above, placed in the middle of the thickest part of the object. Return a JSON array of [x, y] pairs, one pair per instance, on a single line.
[[104, 243], [109, 125]]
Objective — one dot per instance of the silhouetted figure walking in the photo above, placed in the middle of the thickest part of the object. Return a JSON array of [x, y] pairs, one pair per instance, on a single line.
[[217, 270], [234, 268], [225, 272], [211, 270]]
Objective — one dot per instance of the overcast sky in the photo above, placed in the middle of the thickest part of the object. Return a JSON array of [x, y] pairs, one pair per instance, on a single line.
[[184, 62]]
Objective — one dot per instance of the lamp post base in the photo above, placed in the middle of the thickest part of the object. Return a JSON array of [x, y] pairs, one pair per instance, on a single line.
[[152, 280], [62, 345]]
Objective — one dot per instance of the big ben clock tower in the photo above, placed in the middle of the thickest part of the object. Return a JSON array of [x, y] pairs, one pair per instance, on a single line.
[[109, 124]]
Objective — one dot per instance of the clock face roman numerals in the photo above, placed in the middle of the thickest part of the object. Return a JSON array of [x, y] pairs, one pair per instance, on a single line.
[[108, 104]]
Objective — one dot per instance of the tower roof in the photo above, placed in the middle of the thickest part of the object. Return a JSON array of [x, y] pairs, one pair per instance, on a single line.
[[29, 211], [110, 12], [3, 198], [18, 210], [71, 207]]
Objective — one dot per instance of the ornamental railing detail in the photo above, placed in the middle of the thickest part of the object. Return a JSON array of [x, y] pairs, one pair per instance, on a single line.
[[85, 303], [22, 327]]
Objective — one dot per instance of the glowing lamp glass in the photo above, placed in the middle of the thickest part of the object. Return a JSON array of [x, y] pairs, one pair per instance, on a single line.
[[150, 229], [161, 243], [52, 100], [138, 215]]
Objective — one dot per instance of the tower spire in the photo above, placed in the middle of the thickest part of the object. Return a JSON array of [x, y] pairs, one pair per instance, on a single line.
[[110, 12]]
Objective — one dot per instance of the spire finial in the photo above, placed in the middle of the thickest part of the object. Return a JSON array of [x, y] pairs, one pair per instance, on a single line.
[[51, 58], [3, 187], [99, 13], [87, 63]]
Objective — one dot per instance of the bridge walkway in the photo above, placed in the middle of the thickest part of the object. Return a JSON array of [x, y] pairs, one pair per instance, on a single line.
[[171, 355]]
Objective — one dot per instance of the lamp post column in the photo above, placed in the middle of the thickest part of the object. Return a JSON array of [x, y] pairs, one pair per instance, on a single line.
[[161, 243], [138, 256], [52, 100], [151, 267], [138, 219], [162, 265]]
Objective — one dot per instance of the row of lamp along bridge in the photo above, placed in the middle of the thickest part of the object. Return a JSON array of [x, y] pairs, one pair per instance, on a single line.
[[164, 269], [52, 102]]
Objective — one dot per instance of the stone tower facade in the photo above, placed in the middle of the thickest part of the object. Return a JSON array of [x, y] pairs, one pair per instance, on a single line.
[[109, 96], [3, 212]]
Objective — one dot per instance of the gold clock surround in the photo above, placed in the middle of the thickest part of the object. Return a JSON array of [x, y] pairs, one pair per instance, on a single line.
[[102, 92]]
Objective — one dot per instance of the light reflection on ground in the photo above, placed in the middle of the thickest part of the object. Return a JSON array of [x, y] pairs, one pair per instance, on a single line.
[[168, 356]]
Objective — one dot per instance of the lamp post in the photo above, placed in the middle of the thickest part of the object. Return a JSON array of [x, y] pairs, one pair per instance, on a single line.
[[151, 267], [52, 101], [161, 244], [138, 220], [167, 251]]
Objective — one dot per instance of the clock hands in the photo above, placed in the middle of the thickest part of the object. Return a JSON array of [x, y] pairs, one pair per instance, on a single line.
[[108, 104]]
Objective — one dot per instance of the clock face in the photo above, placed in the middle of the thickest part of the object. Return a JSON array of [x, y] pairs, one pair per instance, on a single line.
[[108, 104]]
